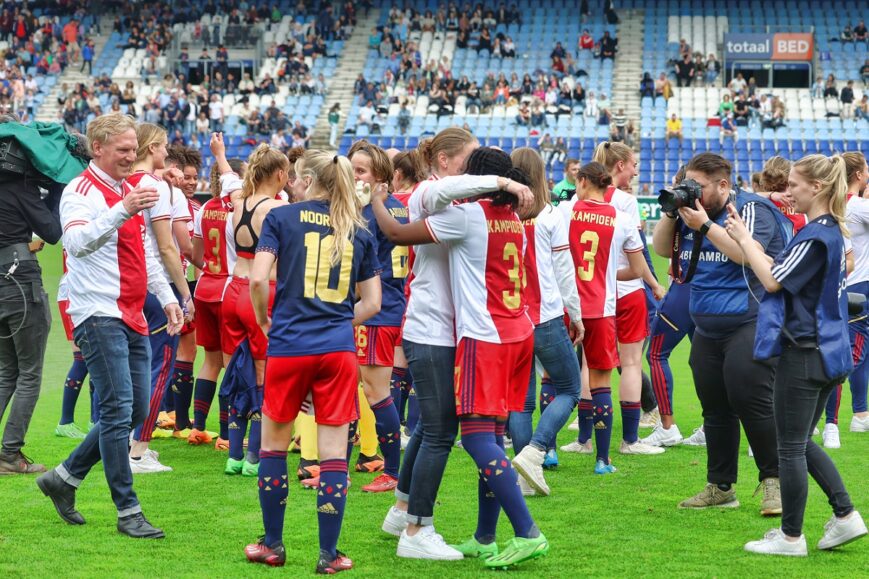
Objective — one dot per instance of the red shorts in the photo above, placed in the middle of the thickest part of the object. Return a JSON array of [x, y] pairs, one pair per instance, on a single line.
[[209, 321], [632, 317], [189, 327], [492, 379], [599, 344], [239, 320], [375, 345], [332, 379], [62, 305]]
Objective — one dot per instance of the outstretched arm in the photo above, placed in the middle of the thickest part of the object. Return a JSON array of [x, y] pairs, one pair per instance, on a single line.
[[416, 233]]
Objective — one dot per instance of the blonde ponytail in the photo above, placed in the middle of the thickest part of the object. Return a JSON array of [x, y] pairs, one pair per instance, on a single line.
[[831, 173], [263, 162], [332, 180]]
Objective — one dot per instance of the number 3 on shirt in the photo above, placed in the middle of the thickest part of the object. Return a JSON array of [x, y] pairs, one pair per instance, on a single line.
[[214, 266], [513, 299], [586, 272], [318, 268]]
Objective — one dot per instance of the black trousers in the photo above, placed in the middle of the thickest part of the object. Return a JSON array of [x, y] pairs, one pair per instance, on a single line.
[[733, 388], [801, 392]]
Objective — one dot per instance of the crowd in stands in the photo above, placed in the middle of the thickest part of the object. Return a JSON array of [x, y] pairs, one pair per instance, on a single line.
[[38, 47], [191, 112]]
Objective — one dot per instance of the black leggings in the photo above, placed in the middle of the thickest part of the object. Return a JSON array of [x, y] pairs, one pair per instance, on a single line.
[[801, 391], [733, 388]]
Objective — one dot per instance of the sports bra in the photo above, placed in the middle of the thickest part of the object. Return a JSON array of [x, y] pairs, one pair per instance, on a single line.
[[246, 220]]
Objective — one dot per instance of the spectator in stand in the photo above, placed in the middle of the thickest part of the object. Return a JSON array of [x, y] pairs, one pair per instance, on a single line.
[[538, 115], [557, 51], [861, 111], [830, 90], [726, 106], [523, 117], [586, 42], [713, 69], [778, 113], [737, 85], [818, 87], [741, 111], [578, 97], [847, 98], [861, 34], [87, 56], [684, 71], [366, 114], [847, 34], [619, 127], [216, 114], [608, 46], [684, 48], [485, 41], [647, 86], [674, 128], [728, 129], [591, 108], [663, 87], [864, 73]]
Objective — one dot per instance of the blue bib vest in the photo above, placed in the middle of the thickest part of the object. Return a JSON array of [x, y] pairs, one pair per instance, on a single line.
[[719, 286], [831, 313]]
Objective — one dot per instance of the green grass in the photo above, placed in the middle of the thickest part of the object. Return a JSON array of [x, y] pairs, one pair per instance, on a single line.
[[626, 524]]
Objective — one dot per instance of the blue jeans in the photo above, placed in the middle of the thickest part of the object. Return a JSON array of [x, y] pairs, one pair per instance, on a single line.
[[118, 361], [552, 346], [425, 457]]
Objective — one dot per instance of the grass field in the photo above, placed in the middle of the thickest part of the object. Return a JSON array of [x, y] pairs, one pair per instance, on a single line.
[[621, 525]]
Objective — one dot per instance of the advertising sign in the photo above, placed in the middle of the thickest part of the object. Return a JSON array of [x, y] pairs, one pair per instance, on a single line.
[[777, 47]]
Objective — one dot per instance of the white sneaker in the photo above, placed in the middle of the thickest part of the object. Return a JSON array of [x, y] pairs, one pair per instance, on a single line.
[[774, 543], [404, 440], [508, 442], [147, 464], [860, 424], [663, 436], [152, 453], [696, 439], [529, 464], [426, 544], [639, 448], [831, 436], [650, 419], [574, 426], [526, 489], [816, 432], [750, 452], [578, 447], [394, 522], [838, 532]]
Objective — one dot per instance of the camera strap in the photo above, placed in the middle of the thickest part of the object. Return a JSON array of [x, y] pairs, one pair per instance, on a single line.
[[675, 262]]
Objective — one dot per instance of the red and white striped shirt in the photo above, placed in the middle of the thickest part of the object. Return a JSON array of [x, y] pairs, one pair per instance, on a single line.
[[110, 261]]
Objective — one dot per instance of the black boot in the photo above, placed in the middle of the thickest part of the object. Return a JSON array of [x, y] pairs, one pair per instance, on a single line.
[[138, 527], [62, 495]]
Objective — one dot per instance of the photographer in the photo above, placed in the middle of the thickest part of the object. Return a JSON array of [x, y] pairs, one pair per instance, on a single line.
[[731, 386], [24, 315]]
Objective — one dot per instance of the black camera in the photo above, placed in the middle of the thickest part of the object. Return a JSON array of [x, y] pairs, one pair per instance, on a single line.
[[682, 195]]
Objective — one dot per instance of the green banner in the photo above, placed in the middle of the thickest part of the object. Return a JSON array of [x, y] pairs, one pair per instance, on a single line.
[[649, 208]]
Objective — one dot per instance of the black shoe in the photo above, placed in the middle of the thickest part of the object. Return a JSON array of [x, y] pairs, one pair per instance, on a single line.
[[62, 495], [138, 527]]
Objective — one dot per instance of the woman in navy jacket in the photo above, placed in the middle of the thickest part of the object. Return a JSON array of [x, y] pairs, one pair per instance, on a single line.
[[803, 319]]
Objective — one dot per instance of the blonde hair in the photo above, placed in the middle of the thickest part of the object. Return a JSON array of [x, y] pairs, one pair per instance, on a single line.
[[449, 141], [104, 127], [149, 134], [774, 177], [529, 161], [829, 173], [411, 166], [332, 180], [855, 161], [264, 162], [609, 154]]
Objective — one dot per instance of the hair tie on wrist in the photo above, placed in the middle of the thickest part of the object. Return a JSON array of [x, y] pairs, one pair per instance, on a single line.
[[335, 159]]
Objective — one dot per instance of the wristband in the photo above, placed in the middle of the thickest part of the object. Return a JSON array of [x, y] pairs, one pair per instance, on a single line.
[[704, 229]]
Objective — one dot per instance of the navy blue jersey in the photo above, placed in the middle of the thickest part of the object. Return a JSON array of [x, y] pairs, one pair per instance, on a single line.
[[313, 307], [393, 261]]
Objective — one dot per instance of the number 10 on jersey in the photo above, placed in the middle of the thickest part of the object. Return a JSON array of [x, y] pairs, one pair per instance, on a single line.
[[319, 269]]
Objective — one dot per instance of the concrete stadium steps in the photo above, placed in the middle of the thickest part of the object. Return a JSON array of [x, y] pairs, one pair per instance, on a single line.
[[340, 87], [49, 110]]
